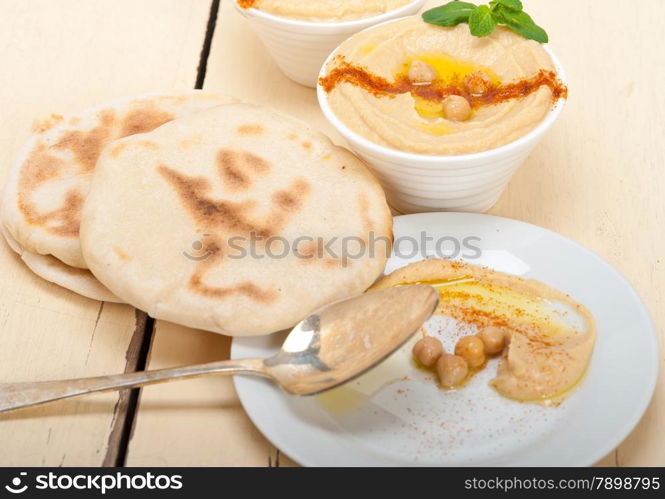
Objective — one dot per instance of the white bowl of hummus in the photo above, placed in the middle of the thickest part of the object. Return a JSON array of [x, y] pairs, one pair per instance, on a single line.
[[407, 125], [300, 34]]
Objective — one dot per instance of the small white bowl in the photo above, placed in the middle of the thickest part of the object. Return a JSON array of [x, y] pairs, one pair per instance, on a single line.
[[465, 182], [300, 47]]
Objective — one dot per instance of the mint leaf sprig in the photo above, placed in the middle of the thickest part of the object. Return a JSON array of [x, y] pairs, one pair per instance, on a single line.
[[482, 19]]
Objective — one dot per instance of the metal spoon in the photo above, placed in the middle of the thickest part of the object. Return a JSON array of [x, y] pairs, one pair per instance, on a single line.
[[330, 347]]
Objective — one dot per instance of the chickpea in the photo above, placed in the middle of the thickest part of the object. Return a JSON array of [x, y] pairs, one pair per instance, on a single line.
[[472, 349], [494, 338], [456, 108], [427, 351], [421, 73], [478, 83], [451, 370]]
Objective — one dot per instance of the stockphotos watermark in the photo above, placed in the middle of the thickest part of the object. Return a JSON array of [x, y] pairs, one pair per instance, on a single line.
[[341, 249], [97, 482]]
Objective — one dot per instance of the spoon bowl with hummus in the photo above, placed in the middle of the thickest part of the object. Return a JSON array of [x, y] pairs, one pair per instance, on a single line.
[[443, 118]]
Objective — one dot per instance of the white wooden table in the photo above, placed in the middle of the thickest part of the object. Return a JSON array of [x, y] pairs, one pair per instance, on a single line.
[[597, 178]]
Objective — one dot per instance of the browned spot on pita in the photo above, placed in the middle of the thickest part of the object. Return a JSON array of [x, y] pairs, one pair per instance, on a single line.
[[144, 118], [230, 170], [237, 167], [286, 202], [40, 167], [68, 215], [310, 253], [246, 288], [254, 292], [307, 249], [300, 187], [188, 142], [257, 163], [63, 221], [291, 199], [206, 212], [213, 249], [307, 145], [148, 144], [293, 136], [106, 117], [121, 254], [228, 218], [250, 129], [117, 149], [45, 124], [327, 157], [86, 146]]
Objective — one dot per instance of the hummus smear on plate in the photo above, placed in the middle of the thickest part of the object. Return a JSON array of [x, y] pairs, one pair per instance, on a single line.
[[547, 341], [420, 88], [325, 10]]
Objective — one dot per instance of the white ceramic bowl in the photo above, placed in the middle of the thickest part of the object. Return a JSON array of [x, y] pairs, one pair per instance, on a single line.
[[300, 47], [466, 182]]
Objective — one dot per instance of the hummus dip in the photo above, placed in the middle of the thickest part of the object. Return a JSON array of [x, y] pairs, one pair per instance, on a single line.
[[550, 336], [325, 10], [371, 89]]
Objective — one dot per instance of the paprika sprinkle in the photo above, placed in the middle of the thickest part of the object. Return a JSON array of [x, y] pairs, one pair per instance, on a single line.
[[345, 72]]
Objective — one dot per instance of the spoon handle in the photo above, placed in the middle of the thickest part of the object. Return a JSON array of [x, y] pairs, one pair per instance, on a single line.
[[17, 395]]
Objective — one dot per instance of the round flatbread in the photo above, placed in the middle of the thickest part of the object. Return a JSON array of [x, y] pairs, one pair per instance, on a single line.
[[51, 269], [49, 181], [80, 281], [234, 220]]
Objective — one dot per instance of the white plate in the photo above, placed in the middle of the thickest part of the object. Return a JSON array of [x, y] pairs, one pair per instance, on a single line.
[[412, 422]]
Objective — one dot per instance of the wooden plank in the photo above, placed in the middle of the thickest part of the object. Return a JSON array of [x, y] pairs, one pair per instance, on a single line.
[[196, 422], [594, 179], [597, 177], [56, 57]]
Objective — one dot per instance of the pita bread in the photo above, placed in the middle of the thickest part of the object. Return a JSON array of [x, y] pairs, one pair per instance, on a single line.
[[202, 221], [51, 269], [11, 242], [50, 179]]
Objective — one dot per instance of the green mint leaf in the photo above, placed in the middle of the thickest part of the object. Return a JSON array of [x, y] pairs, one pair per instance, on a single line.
[[484, 18], [511, 4], [450, 14], [481, 21], [521, 23]]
